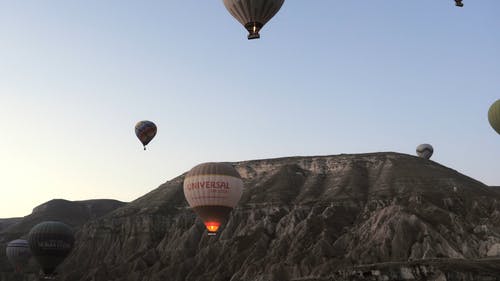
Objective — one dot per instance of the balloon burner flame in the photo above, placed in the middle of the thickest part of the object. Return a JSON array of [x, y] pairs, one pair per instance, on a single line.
[[212, 227], [253, 28]]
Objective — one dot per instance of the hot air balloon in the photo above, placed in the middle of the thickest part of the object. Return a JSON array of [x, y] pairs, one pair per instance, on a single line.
[[212, 191], [253, 14], [18, 252], [145, 131], [425, 151], [494, 116], [51, 242], [459, 3]]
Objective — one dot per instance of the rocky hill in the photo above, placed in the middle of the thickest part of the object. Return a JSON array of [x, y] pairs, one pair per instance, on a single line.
[[380, 216], [5, 223], [73, 213]]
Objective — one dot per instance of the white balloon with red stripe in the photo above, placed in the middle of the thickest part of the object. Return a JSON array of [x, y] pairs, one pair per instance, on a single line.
[[212, 190]]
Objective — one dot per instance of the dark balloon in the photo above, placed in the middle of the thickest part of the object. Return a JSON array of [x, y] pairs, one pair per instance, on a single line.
[[50, 243], [253, 14], [145, 131], [18, 252]]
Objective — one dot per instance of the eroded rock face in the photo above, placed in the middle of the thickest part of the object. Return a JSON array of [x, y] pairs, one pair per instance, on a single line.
[[73, 213], [5, 223], [381, 216]]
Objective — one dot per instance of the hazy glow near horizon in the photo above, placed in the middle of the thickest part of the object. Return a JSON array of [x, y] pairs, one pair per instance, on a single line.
[[328, 77]]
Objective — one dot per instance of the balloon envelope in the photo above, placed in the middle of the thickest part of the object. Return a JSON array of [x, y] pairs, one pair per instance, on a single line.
[[253, 14], [51, 242], [18, 252], [212, 190], [145, 131], [494, 116], [425, 150]]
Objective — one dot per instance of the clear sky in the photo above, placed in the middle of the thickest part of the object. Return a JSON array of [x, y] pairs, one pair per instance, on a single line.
[[326, 77]]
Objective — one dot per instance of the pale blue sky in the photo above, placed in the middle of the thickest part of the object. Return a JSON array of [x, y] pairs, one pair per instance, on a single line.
[[326, 77]]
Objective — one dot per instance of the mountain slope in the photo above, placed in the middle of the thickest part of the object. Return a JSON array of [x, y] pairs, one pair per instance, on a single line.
[[304, 218], [73, 213], [5, 223]]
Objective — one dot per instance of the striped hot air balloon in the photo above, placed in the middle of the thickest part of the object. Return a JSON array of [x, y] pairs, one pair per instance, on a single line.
[[425, 151], [145, 131], [213, 190], [18, 252], [494, 116], [51, 242], [253, 14]]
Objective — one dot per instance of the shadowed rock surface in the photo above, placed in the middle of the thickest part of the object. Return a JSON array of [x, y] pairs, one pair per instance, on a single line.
[[73, 213], [380, 216], [5, 223]]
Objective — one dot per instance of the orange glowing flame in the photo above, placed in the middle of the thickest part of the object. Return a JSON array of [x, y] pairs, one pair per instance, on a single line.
[[212, 226]]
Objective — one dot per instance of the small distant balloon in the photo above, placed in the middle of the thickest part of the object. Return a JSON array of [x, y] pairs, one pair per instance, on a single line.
[[18, 253], [50, 243], [145, 131], [494, 116], [459, 3], [212, 190], [425, 151], [253, 14]]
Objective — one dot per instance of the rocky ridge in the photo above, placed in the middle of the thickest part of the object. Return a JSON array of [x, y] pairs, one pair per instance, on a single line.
[[379, 216], [304, 217]]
